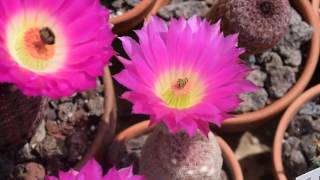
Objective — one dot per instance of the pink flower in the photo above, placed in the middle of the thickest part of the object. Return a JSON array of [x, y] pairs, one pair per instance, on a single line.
[[92, 171], [53, 47], [187, 75]]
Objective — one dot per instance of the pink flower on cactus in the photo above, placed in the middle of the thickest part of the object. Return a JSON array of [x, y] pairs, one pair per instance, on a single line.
[[93, 171], [187, 75], [122, 174], [53, 47]]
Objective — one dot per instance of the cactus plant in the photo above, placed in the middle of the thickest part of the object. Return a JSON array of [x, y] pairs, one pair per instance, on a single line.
[[180, 157], [260, 23], [19, 116], [184, 76]]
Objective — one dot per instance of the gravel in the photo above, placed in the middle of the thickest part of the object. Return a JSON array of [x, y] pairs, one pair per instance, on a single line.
[[62, 138], [253, 101], [301, 146], [186, 9], [119, 7]]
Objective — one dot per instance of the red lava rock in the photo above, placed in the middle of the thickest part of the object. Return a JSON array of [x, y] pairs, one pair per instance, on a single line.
[[52, 128], [66, 129], [66, 111], [90, 94], [95, 105], [51, 147], [51, 114], [78, 116], [77, 145], [33, 171]]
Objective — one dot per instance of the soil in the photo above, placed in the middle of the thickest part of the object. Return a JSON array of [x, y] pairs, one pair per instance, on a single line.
[[301, 146], [132, 155], [118, 7], [275, 71], [60, 141]]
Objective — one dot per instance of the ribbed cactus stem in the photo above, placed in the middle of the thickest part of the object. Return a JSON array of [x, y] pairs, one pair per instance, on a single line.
[[180, 157], [19, 115], [260, 23]]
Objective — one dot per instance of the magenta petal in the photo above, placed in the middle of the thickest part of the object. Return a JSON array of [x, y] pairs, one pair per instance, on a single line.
[[203, 127], [70, 175], [137, 178], [51, 178], [71, 13], [91, 170], [125, 79], [33, 4], [52, 6], [112, 175], [10, 8], [122, 174], [157, 24], [194, 23], [77, 27], [126, 172], [189, 125], [130, 46]]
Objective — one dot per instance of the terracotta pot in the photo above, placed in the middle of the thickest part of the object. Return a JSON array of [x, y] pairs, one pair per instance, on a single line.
[[143, 128], [125, 22], [315, 5], [252, 119], [107, 125], [282, 127]]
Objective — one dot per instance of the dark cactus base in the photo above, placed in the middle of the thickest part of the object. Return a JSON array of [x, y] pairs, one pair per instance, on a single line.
[[19, 117]]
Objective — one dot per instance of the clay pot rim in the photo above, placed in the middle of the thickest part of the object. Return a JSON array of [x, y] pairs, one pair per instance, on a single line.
[[144, 128], [243, 121], [316, 6], [284, 123], [128, 20]]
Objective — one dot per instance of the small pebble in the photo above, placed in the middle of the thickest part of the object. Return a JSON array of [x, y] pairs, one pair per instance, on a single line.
[[297, 164], [253, 101], [309, 145], [300, 125], [184, 9], [311, 109]]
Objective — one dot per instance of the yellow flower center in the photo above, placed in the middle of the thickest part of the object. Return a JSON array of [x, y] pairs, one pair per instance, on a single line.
[[180, 90], [32, 51], [35, 43]]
